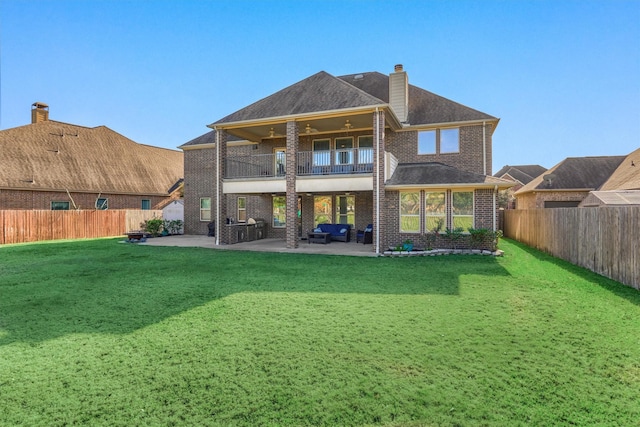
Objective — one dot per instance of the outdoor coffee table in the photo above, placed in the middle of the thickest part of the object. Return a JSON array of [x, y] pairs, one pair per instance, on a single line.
[[323, 238]]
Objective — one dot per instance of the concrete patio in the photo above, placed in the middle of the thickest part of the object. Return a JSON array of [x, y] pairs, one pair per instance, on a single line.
[[265, 245]]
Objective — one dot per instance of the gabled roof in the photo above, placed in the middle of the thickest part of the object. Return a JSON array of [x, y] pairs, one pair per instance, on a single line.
[[522, 173], [323, 92], [436, 174], [320, 92], [627, 175], [424, 107], [58, 156], [575, 173]]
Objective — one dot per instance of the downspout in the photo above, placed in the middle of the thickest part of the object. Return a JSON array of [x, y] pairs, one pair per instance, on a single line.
[[495, 191], [217, 187], [484, 149], [378, 182]]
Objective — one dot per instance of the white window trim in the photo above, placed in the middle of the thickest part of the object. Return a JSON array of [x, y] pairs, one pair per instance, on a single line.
[[202, 210], [473, 210]]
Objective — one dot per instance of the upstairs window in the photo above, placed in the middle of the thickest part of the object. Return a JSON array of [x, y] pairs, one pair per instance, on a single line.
[[450, 140], [365, 149], [146, 204], [427, 142], [321, 152]]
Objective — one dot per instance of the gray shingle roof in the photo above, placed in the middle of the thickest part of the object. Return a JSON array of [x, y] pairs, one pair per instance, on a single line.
[[208, 138], [324, 92], [523, 173], [320, 92], [434, 174], [584, 173], [424, 107]]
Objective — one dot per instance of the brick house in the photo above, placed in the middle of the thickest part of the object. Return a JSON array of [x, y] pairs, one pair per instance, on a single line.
[[358, 149], [520, 175], [54, 165], [566, 184]]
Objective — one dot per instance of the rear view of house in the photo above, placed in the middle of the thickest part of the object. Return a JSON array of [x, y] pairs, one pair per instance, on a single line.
[[357, 150], [60, 166]]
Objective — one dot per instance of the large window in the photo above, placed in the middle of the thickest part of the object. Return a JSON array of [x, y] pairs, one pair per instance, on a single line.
[[279, 211], [427, 142], [435, 211], [205, 209], [462, 212], [321, 152], [449, 140], [322, 210], [346, 209], [242, 209], [102, 204], [59, 206], [410, 212]]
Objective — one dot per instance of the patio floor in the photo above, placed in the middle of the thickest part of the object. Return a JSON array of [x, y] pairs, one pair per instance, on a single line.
[[265, 245]]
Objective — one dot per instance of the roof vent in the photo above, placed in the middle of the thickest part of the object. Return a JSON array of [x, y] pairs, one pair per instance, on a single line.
[[39, 112], [358, 77]]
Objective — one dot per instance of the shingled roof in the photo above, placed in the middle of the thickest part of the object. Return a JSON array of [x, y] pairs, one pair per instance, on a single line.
[[58, 156], [523, 173], [208, 138], [437, 174], [627, 175], [575, 173], [324, 92]]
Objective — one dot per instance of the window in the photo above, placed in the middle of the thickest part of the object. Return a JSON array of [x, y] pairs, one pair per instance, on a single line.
[[346, 209], [410, 212], [427, 142], [321, 152], [365, 149], [102, 204], [450, 140], [322, 210], [435, 211], [205, 209], [59, 206], [344, 151], [279, 211], [242, 209], [462, 212], [146, 204]]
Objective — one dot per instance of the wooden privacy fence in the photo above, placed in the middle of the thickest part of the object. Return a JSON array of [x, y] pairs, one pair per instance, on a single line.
[[604, 240], [21, 226]]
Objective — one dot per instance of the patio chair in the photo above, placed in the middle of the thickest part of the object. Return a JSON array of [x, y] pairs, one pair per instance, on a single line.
[[365, 236]]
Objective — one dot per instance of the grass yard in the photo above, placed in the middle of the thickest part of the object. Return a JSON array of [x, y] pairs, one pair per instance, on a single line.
[[107, 334]]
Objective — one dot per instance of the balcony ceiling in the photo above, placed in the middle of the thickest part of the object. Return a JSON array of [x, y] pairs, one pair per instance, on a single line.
[[333, 124]]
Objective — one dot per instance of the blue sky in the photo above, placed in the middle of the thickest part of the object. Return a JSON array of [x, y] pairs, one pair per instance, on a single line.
[[563, 76]]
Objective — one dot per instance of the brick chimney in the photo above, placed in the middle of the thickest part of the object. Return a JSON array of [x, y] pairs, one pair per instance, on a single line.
[[399, 93], [39, 112]]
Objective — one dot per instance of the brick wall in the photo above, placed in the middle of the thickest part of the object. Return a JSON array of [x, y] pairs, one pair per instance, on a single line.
[[536, 199], [41, 200], [199, 181], [404, 145]]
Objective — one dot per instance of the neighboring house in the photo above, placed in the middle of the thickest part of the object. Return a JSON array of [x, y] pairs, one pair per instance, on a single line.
[[358, 149], [622, 188], [567, 183], [521, 175], [60, 166]]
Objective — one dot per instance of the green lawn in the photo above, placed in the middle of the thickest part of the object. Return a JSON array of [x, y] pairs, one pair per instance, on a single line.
[[103, 333]]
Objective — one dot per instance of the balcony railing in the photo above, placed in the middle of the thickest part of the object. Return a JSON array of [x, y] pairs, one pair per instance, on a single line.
[[330, 162]]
